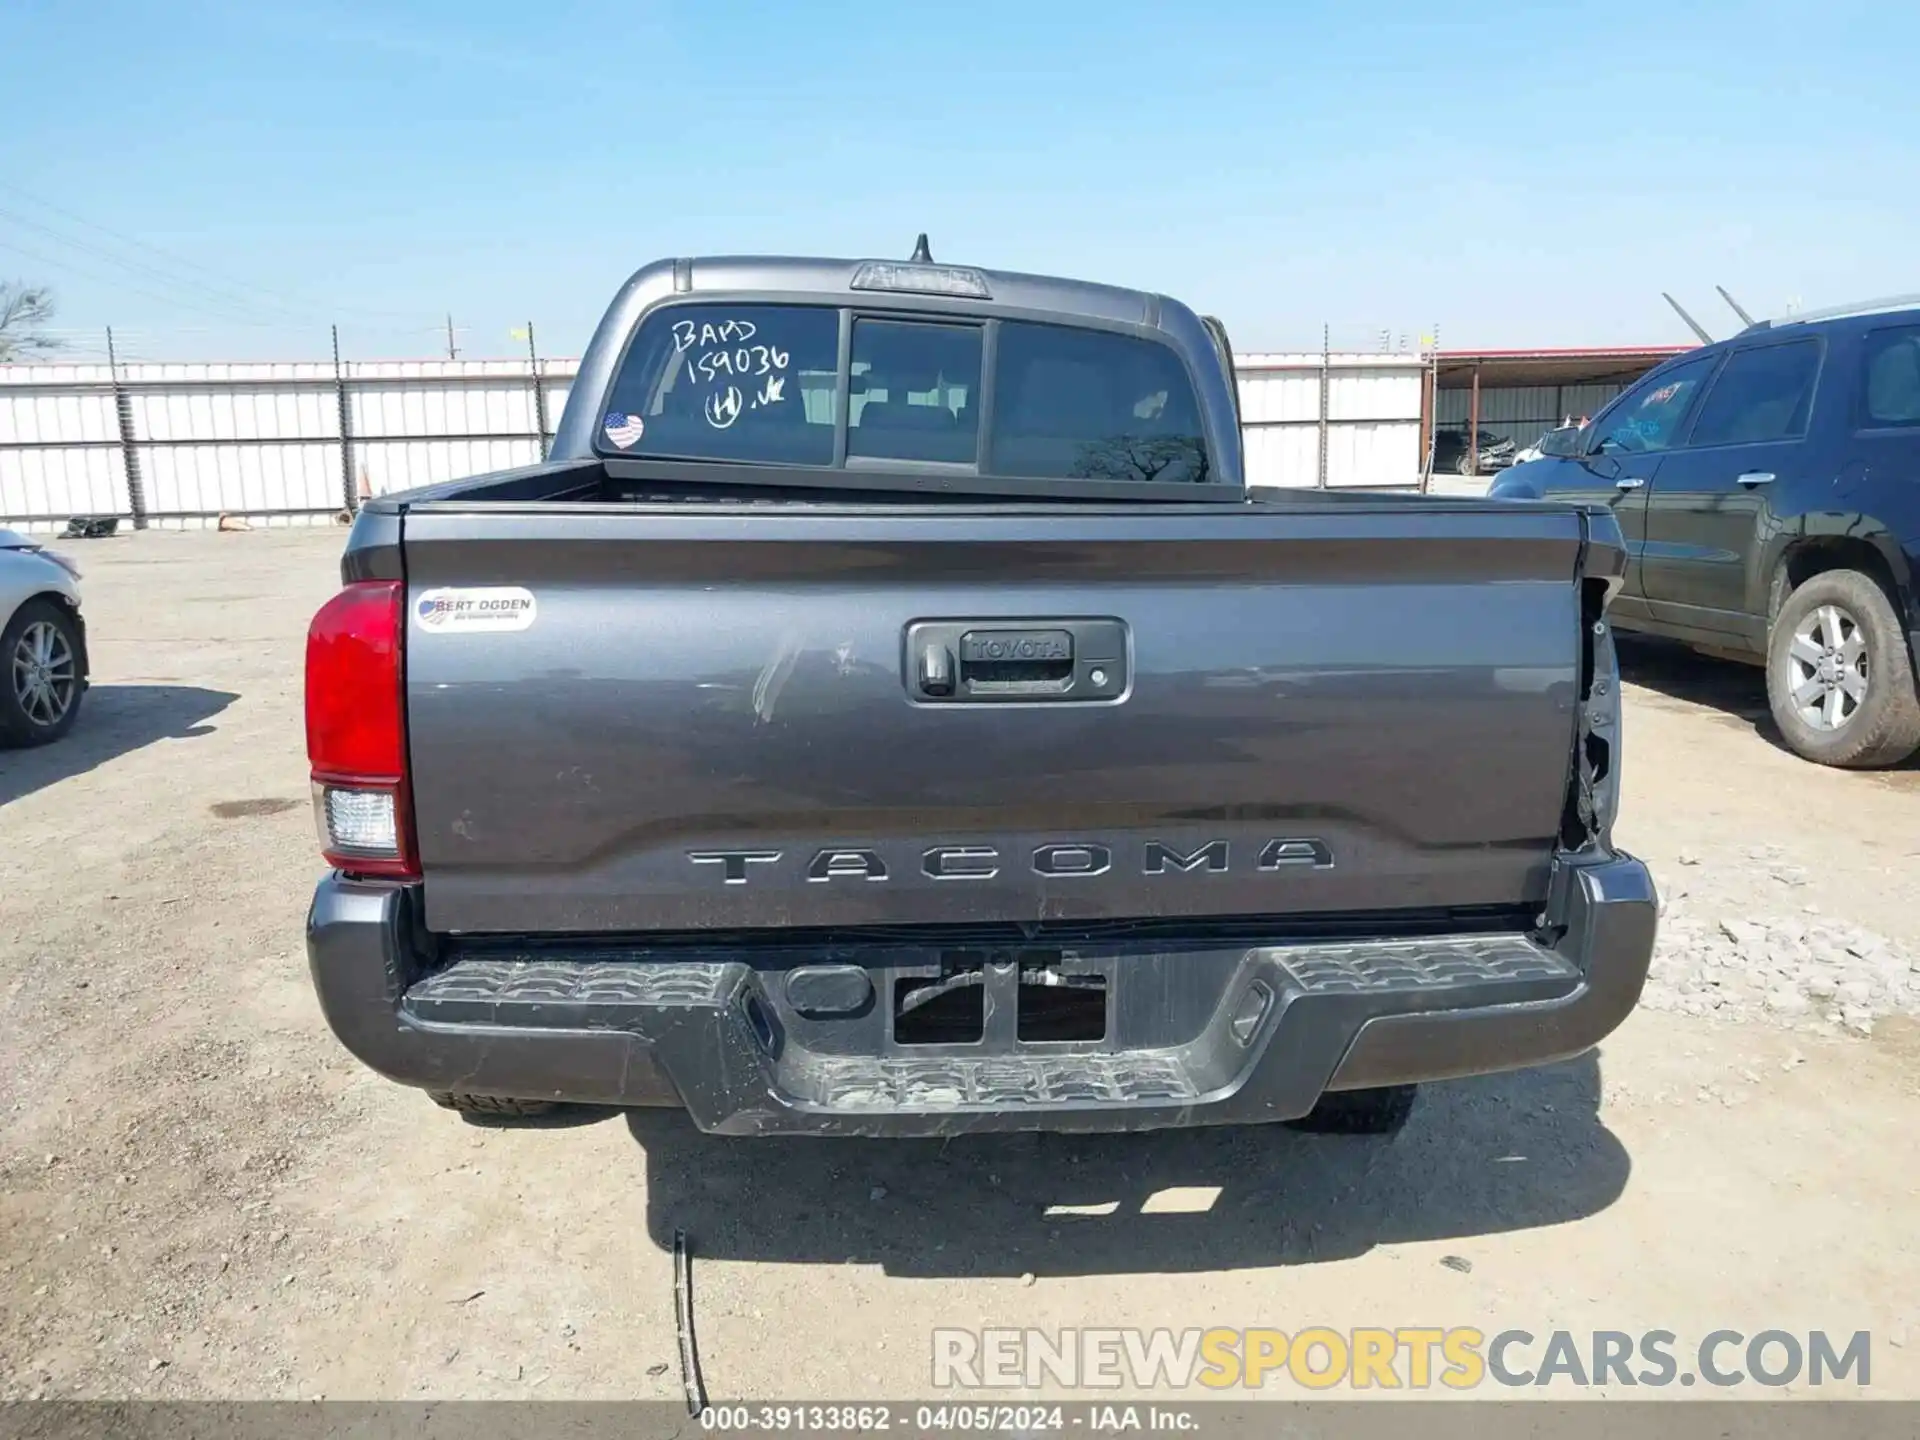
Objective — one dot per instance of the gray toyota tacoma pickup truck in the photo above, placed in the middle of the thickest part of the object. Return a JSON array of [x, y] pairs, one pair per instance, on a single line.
[[887, 713]]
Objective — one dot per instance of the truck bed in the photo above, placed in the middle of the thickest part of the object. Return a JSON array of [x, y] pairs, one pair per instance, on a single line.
[[576, 486]]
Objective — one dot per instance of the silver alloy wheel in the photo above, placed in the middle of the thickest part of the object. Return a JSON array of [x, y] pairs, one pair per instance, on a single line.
[[1827, 668], [43, 674]]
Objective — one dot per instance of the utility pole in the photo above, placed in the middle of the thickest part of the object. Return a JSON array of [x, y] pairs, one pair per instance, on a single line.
[[452, 353], [129, 449], [1326, 362], [539, 394], [343, 415], [1429, 403]]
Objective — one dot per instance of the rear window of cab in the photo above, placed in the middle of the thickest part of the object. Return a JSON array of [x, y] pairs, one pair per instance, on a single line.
[[768, 385]]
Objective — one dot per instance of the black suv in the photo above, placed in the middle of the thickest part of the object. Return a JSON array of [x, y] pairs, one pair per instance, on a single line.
[[1769, 490]]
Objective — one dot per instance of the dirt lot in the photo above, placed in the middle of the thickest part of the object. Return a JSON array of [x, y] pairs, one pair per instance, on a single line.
[[202, 1195]]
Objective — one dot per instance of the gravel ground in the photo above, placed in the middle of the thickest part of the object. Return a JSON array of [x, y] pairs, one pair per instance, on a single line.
[[1746, 932], [202, 1195]]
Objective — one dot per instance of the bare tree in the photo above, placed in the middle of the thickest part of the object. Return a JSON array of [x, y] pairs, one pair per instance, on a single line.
[[1140, 457], [24, 313]]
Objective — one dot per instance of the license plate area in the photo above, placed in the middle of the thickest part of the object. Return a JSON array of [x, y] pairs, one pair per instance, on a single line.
[[1002, 1001], [1057, 1007], [945, 1009]]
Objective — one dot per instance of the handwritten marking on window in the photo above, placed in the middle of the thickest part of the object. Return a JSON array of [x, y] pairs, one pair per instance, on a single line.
[[771, 393], [688, 333], [723, 407], [746, 361]]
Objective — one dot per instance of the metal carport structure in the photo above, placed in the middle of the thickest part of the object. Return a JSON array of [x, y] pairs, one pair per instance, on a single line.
[[1518, 394]]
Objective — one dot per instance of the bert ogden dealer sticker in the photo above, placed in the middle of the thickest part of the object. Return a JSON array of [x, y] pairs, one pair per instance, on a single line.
[[486, 609], [625, 430]]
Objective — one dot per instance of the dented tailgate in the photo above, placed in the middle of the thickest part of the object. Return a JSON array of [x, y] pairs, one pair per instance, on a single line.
[[699, 717]]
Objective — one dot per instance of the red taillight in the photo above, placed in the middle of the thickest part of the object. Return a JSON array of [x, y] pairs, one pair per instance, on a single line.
[[356, 730]]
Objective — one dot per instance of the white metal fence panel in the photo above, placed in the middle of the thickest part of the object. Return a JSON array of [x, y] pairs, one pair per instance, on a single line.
[[426, 422], [462, 410], [42, 410], [193, 485], [1375, 393], [253, 440], [40, 488], [1279, 389], [59, 446], [1371, 420], [1377, 456], [291, 443], [271, 443], [389, 465], [1282, 455], [231, 411]]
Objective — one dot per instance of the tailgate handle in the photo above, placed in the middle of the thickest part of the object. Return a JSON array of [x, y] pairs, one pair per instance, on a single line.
[[960, 661]]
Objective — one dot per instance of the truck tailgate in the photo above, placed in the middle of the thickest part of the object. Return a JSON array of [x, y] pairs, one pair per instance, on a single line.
[[712, 717]]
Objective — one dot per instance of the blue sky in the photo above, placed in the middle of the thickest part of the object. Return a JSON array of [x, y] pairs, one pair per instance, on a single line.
[[1514, 174]]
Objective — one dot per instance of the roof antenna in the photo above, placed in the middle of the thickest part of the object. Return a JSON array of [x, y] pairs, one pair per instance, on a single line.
[[921, 255], [1735, 304], [1705, 339]]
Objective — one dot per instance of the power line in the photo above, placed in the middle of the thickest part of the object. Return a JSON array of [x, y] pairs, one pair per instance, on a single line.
[[238, 304], [203, 297], [181, 262], [282, 325], [81, 270]]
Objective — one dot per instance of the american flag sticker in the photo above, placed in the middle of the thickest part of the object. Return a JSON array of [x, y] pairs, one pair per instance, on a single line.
[[625, 430]]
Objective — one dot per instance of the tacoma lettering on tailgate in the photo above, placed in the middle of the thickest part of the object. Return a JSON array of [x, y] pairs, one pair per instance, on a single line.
[[1060, 858]]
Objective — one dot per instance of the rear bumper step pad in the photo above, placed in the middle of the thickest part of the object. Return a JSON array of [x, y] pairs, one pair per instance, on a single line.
[[1287, 1022]]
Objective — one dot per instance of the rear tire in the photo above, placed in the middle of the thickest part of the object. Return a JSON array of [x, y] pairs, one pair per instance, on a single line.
[[494, 1105], [41, 679], [1360, 1112], [1864, 667]]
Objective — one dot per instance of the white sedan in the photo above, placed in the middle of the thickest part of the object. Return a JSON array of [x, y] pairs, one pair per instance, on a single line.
[[1561, 440], [43, 643]]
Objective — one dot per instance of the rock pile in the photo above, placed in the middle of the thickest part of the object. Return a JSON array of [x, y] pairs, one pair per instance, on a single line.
[[1805, 971]]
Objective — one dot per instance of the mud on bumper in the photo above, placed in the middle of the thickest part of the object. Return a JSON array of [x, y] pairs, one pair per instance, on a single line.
[[1221, 1034]]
